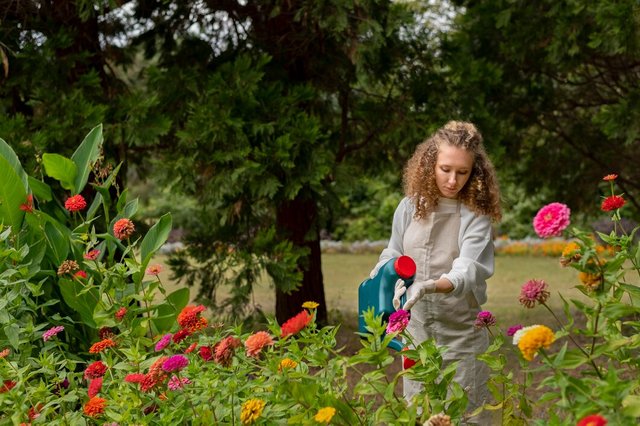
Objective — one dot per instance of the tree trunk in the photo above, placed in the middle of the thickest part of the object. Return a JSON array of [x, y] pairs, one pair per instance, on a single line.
[[297, 221]]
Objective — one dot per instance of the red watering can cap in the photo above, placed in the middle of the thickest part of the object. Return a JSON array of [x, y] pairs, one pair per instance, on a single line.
[[405, 267]]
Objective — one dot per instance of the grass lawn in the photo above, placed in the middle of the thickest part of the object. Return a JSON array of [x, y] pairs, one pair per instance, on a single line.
[[344, 272]]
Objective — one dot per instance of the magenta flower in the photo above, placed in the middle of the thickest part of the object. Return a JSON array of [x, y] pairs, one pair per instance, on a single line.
[[175, 363], [551, 220], [51, 332], [398, 321], [163, 342], [513, 329], [533, 291], [484, 319], [176, 382]]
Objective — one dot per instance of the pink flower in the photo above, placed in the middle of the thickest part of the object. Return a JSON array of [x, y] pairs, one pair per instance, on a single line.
[[95, 386], [92, 254], [163, 342], [176, 382], [551, 220], [484, 319], [398, 321], [154, 270], [121, 313], [75, 203], [51, 332], [175, 362], [256, 342], [80, 274], [513, 329], [533, 291]]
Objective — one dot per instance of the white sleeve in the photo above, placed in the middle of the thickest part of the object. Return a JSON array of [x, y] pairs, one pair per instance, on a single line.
[[401, 220], [475, 263]]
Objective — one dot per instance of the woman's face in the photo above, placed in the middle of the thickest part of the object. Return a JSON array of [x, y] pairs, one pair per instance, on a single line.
[[453, 169]]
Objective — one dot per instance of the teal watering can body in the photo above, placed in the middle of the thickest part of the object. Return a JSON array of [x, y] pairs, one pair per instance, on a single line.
[[377, 292]]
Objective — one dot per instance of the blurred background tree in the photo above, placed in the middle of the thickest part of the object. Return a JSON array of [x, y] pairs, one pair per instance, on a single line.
[[262, 124]]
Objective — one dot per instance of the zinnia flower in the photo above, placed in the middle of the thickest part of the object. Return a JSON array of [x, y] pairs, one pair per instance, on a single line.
[[95, 386], [484, 319], [407, 362], [106, 333], [52, 332], [534, 339], [294, 324], [121, 313], [95, 406], [5, 353], [256, 342], [613, 202], [95, 370], [176, 382], [310, 305], [100, 346], [191, 348], [68, 266], [592, 420], [123, 229], [225, 349], [610, 177], [75, 203], [81, 274], [154, 270], [175, 363], [251, 411], [189, 318], [287, 363], [570, 253], [398, 321], [439, 420], [533, 291], [163, 342], [92, 254], [34, 412], [551, 220], [28, 205], [513, 329], [7, 385], [591, 281], [205, 353], [324, 415], [134, 378], [181, 335]]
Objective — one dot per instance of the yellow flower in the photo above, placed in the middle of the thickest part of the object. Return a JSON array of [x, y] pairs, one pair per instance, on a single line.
[[287, 363], [570, 249], [251, 410], [534, 339], [591, 281], [324, 415], [310, 305]]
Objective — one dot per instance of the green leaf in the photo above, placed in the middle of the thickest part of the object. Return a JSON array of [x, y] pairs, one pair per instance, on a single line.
[[80, 299], [12, 195], [167, 312], [13, 334], [60, 168], [85, 156], [631, 405], [40, 190], [155, 238], [57, 237], [13, 161]]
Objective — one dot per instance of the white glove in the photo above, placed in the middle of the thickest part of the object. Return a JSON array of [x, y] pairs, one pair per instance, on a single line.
[[376, 268], [400, 289], [419, 289]]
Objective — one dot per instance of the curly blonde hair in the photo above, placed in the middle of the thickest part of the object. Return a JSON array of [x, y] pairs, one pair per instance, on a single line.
[[480, 194]]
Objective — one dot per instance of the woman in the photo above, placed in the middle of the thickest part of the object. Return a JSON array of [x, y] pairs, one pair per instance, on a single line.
[[444, 224]]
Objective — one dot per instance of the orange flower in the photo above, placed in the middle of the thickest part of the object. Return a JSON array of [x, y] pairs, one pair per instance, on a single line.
[[5, 352], [123, 229], [154, 270], [75, 203], [256, 342], [190, 319], [610, 177], [591, 281], [95, 406], [100, 346], [295, 324]]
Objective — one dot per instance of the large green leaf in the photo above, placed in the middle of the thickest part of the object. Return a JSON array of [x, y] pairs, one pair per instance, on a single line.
[[60, 168], [58, 240], [14, 162], [155, 238], [85, 156], [167, 312], [12, 195], [40, 190], [80, 299]]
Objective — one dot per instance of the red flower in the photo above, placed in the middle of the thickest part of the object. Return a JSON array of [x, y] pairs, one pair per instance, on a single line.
[[95, 386], [81, 274], [205, 353], [180, 335], [191, 348], [592, 420], [92, 254], [134, 378], [7, 385], [95, 370], [610, 177], [105, 333], [225, 349], [28, 206], [189, 318], [34, 412], [123, 229], [407, 362], [75, 203], [95, 406], [295, 324], [100, 346], [121, 313], [612, 202]]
